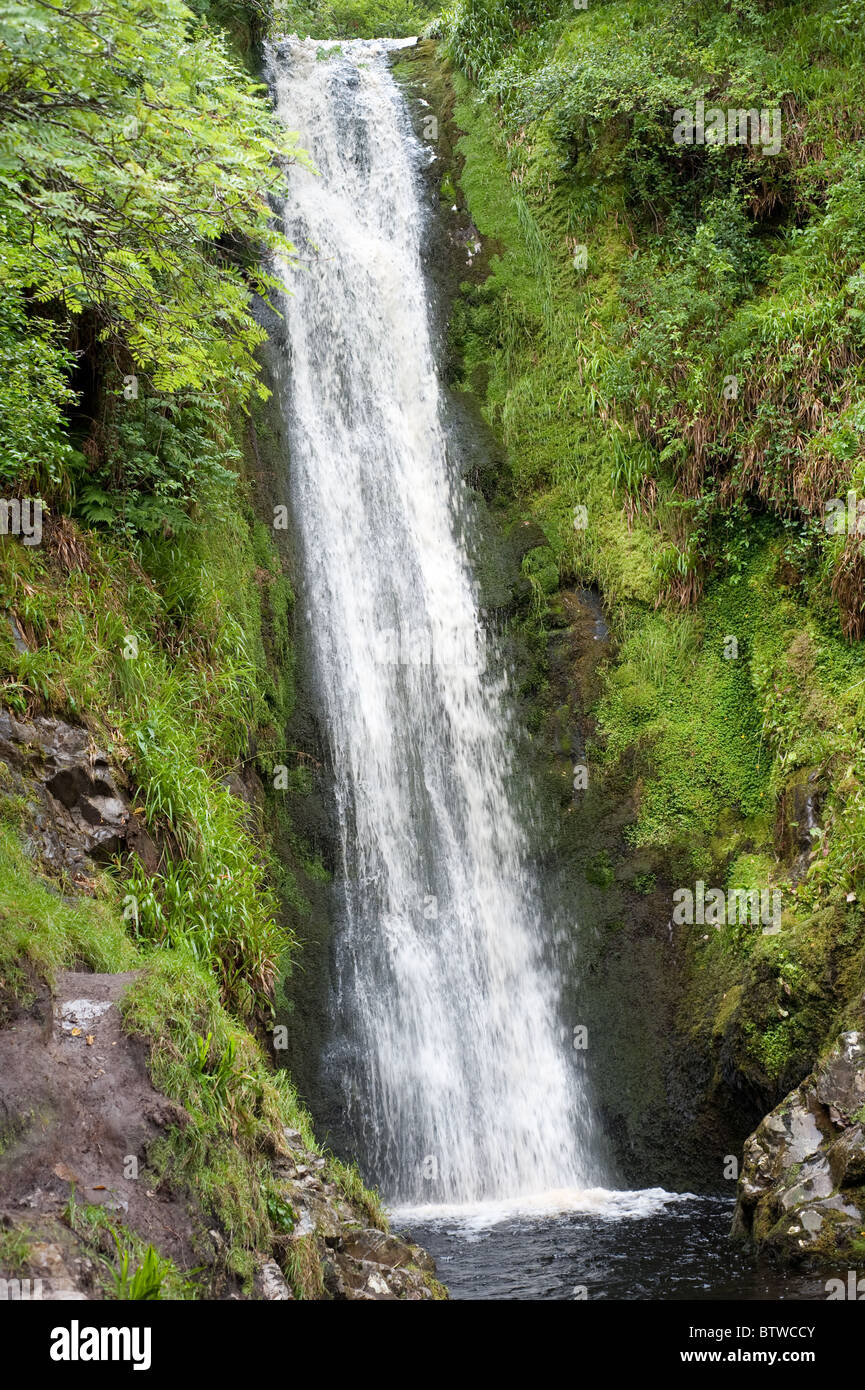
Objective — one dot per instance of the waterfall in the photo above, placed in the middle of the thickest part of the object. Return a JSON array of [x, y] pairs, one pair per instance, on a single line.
[[458, 1076]]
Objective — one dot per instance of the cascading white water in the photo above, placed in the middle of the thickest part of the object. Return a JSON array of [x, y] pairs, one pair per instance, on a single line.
[[459, 1077]]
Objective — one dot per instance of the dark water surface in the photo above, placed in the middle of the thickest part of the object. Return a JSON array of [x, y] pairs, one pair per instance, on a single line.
[[682, 1252]]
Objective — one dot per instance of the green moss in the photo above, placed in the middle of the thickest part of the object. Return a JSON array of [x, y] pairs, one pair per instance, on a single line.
[[773, 1047], [14, 1250], [600, 871], [438, 1290], [41, 932], [730, 1002]]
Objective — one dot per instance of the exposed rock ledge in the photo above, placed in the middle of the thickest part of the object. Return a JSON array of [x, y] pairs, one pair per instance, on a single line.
[[78, 811], [802, 1189]]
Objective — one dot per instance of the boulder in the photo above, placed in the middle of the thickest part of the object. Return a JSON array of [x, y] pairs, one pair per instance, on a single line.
[[847, 1158], [801, 1191], [347, 1278], [379, 1247]]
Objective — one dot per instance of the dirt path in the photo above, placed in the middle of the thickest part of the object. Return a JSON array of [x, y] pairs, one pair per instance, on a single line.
[[77, 1107]]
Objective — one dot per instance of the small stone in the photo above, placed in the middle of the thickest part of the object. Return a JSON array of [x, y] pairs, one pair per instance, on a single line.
[[270, 1283]]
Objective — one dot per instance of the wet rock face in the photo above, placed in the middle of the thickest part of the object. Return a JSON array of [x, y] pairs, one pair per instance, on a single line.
[[802, 1188], [373, 1265], [798, 808], [78, 811]]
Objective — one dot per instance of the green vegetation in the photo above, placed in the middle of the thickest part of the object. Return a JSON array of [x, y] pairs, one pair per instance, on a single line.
[[145, 1281], [41, 933], [14, 1251], [136, 160], [137, 1271], [214, 1069], [629, 280], [160, 646], [350, 1184], [352, 19]]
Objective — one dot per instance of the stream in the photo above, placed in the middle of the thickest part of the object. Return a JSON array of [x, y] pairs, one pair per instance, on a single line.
[[675, 1251]]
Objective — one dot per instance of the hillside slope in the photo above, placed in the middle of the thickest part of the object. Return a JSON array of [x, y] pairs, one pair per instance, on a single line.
[[148, 860]]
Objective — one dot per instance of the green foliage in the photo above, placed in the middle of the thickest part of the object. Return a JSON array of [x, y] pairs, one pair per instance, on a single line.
[[719, 323], [145, 1281], [600, 871], [14, 1251], [542, 571], [217, 903], [180, 710], [237, 1106], [303, 1268], [132, 150], [34, 389], [141, 1273], [352, 19], [352, 1187], [698, 388], [217, 1076], [41, 933], [170, 451], [523, 331], [281, 1214], [136, 165], [245, 23], [479, 34]]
